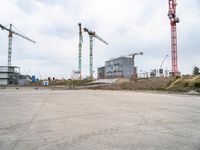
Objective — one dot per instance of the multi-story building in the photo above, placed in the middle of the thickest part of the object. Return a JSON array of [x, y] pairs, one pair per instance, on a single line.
[[9, 75], [119, 67]]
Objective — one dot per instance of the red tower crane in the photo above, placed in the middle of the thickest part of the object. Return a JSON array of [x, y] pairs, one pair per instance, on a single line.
[[173, 20]]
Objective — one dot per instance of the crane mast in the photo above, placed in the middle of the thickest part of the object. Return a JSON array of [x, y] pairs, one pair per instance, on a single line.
[[10, 36], [80, 50], [91, 55], [173, 20], [91, 36], [10, 45]]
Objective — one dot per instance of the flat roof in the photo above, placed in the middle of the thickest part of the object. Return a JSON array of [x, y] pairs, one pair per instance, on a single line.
[[10, 66], [101, 67], [112, 59]]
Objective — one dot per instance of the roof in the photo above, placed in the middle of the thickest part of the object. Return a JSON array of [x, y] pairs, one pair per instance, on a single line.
[[112, 59], [10, 66]]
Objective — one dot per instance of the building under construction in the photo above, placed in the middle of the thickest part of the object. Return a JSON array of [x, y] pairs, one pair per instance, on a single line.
[[117, 67], [9, 75]]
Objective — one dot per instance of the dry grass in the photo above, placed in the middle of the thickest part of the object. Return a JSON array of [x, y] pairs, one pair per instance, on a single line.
[[185, 84], [144, 84]]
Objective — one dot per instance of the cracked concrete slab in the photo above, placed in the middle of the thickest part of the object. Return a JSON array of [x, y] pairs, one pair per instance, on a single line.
[[47, 119]]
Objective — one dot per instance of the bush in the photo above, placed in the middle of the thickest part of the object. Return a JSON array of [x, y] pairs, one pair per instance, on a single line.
[[196, 71], [186, 84], [178, 82], [178, 77], [197, 84]]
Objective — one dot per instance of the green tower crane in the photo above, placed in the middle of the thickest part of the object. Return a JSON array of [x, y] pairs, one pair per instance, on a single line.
[[80, 50], [91, 36], [10, 36]]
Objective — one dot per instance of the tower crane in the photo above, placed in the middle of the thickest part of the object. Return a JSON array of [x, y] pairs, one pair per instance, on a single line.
[[80, 50], [10, 36], [91, 36], [173, 20]]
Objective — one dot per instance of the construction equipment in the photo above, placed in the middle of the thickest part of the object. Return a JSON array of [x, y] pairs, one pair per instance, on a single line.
[[91, 36], [10, 36], [173, 20], [80, 50], [163, 63]]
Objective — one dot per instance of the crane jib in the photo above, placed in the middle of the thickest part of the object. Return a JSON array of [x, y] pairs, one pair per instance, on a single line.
[[13, 32]]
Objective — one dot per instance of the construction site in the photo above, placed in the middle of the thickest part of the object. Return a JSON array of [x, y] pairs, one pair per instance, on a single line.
[[121, 99]]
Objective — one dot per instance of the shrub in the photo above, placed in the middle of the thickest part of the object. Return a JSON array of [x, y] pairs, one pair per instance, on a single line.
[[178, 82], [197, 84], [196, 71], [186, 84]]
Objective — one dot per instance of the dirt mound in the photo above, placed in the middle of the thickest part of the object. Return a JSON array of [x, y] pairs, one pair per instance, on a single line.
[[185, 84], [142, 84]]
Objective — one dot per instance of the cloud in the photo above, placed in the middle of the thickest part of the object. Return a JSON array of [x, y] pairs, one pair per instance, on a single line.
[[128, 26]]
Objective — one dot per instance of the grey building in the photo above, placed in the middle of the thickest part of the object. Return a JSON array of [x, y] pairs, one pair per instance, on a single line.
[[119, 67], [9, 75], [101, 72], [24, 80]]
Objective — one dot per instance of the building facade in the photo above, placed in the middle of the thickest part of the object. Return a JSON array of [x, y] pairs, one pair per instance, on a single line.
[[9, 75], [119, 67], [101, 72]]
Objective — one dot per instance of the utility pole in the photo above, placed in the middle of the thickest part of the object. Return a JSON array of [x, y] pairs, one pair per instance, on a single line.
[[173, 20]]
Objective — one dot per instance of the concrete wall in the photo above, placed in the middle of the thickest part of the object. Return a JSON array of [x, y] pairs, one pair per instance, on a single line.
[[3, 81], [24, 82], [101, 73], [6, 69], [128, 67], [4, 75]]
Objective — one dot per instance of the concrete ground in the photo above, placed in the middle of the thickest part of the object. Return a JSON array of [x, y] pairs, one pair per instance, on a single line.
[[97, 120]]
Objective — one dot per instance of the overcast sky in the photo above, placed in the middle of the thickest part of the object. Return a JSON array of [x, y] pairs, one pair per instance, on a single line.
[[127, 25]]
